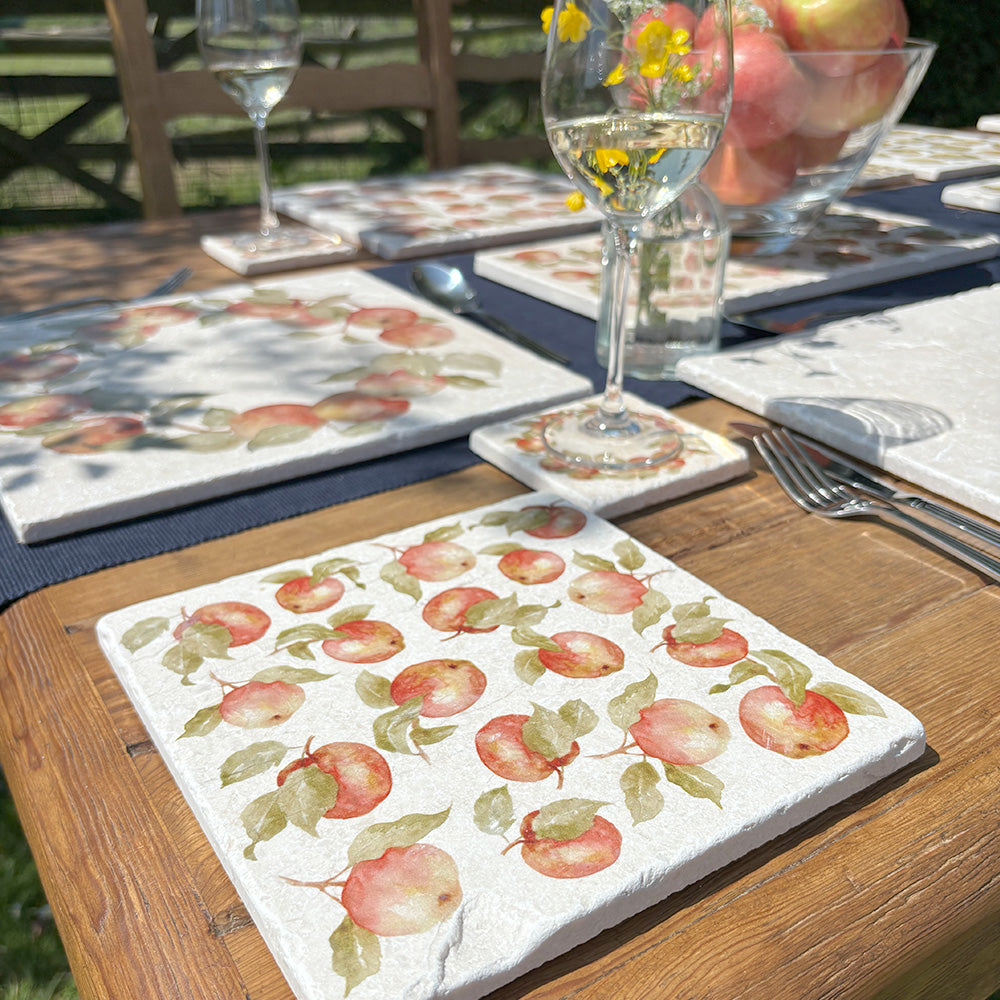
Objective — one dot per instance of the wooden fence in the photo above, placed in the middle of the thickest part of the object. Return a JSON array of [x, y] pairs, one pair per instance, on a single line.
[[64, 150]]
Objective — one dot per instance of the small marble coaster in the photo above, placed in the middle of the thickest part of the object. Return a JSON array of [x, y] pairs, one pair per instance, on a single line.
[[705, 459], [988, 123], [310, 250], [982, 195]]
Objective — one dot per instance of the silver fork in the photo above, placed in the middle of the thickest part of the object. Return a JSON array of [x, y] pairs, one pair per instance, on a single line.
[[165, 287], [806, 483]]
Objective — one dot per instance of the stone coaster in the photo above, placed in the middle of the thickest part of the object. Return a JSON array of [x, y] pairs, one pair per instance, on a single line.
[[988, 123], [983, 195], [115, 413], [433, 760], [705, 460], [310, 250]]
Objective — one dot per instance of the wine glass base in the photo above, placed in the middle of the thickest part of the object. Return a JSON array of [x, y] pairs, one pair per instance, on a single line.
[[590, 441]]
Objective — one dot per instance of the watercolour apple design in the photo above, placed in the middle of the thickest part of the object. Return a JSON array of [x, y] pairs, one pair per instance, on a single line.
[[563, 839], [349, 635], [394, 885], [260, 705], [534, 747], [95, 434], [244, 623], [437, 557], [316, 589], [275, 423], [700, 639], [44, 409], [529, 567], [430, 689], [359, 407], [362, 775], [574, 654], [539, 520], [791, 716], [37, 367]]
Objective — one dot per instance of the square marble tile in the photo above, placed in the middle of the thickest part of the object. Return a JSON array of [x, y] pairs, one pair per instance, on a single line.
[[913, 390], [705, 459], [849, 248], [311, 250], [935, 154], [110, 414], [450, 210], [435, 759]]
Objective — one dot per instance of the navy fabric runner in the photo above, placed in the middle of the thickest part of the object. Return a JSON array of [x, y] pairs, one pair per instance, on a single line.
[[26, 568]]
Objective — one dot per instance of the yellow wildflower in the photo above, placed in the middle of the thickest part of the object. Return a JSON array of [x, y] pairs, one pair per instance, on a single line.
[[684, 73], [573, 24], [655, 44], [617, 75], [547, 19], [608, 158], [576, 201]]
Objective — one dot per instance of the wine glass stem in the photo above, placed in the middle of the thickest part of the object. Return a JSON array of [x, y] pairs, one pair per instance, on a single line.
[[268, 217], [612, 411]]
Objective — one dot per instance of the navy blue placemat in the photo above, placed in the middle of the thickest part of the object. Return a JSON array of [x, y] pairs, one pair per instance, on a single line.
[[25, 568]]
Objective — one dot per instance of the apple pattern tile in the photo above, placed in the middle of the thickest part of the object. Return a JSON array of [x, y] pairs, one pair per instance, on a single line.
[[848, 249], [403, 216], [705, 459], [434, 759], [307, 248], [934, 154], [109, 414]]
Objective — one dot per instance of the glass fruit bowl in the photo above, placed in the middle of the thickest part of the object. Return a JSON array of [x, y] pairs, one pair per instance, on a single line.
[[803, 126]]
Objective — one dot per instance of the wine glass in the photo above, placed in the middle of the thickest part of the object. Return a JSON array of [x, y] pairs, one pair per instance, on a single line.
[[254, 48], [634, 96]]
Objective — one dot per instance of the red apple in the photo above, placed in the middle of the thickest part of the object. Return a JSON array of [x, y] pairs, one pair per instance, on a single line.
[[727, 648], [417, 335], [382, 317], [842, 103], [260, 706], [680, 732], [94, 435], [446, 611], [359, 407], [591, 852], [857, 29], [561, 522], [302, 596], [501, 748], [433, 561], [607, 591], [769, 91], [776, 723], [364, 641], [531, 566], [245, 623], [752, 176], [582, 654], [405, 891], [446, 686], [400, 384], [362, 775], [761, 15], [34, 410], [250, 423]]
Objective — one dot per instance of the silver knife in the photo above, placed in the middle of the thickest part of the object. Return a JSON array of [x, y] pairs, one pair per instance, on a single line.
[[845, 471]]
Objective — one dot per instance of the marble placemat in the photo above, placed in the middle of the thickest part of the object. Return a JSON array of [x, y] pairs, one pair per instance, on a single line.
[[462, 209], [433, 760], [934, 154], [705, 459], [111, 414], [913, 391], [981, 195], [850, 248]]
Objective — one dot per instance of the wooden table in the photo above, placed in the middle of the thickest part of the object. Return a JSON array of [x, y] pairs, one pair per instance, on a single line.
[[893, 894]]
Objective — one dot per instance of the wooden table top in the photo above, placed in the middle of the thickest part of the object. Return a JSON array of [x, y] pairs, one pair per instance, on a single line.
[[895, 893]]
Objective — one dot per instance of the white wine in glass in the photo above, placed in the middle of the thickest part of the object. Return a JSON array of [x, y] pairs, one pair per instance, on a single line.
[[254, 48], [635, 94]]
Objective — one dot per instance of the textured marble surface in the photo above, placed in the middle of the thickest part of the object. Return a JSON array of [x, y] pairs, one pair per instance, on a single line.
[[934, 154], [109, 415], [982, 195], [705, 459], [404, 216], [308, 249], [914, 390], [598, 730], [850, 248]]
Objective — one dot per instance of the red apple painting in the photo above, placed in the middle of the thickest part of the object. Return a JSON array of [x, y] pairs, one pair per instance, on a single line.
[[426, 756]]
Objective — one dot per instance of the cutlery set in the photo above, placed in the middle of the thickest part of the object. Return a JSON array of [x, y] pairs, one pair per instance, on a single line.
[[829, 485]]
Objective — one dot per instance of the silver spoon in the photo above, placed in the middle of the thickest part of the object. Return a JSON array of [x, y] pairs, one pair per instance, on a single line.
[[446, 286]]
